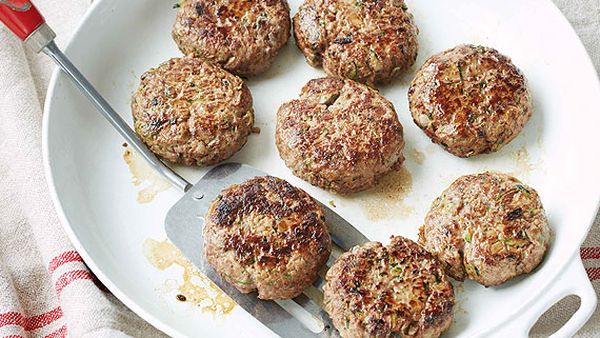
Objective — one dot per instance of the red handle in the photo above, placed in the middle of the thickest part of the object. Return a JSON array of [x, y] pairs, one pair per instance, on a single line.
[[20, 16]]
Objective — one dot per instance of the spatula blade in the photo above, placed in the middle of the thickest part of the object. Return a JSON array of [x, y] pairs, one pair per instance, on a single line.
[[183, 225]]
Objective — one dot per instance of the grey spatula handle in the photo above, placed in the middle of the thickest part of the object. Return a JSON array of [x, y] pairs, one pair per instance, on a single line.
[[115, 120]]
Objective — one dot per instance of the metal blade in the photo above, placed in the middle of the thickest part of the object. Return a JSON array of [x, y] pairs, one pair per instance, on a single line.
[[342, 233], [183, 225]]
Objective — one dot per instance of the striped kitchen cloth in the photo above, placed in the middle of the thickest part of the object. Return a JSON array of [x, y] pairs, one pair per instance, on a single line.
[[46, 290]]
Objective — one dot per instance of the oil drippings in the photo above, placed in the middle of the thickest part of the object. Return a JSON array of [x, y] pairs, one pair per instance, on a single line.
[[386, 199], [523, 164], [460, 297], [416, 156], [142, 173], [196, 288]]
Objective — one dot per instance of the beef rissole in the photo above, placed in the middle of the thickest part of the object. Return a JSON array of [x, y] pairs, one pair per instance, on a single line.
[[244, 37], [364, 40], [398, 290], [268, 236], [470, 100], [488, 227], [339, 135], [192, 112]]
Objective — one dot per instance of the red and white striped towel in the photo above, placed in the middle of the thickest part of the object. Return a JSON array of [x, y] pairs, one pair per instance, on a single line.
[[591, 257], [45, 288]]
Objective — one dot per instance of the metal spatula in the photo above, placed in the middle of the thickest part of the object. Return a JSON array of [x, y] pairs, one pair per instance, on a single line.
[[301, 317], [184, 228]]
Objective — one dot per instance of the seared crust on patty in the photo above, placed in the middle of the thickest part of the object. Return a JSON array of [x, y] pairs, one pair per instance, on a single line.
[[389, 291], [268, 236], [242, 36], [340, 135], [488, 227], [370, 41], [470, 99], [191, 112]]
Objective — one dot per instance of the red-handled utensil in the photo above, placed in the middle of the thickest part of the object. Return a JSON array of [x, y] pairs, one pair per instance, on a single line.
[[21, 17]]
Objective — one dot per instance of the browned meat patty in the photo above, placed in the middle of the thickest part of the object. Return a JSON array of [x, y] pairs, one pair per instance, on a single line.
[[340, 135], [470, 99], [370, 41], [399, 290], [488, 227], [192, 112], [242, 36], [266, 235]]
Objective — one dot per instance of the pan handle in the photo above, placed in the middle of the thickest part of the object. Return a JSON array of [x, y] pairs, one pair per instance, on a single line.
[[573, 280]]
